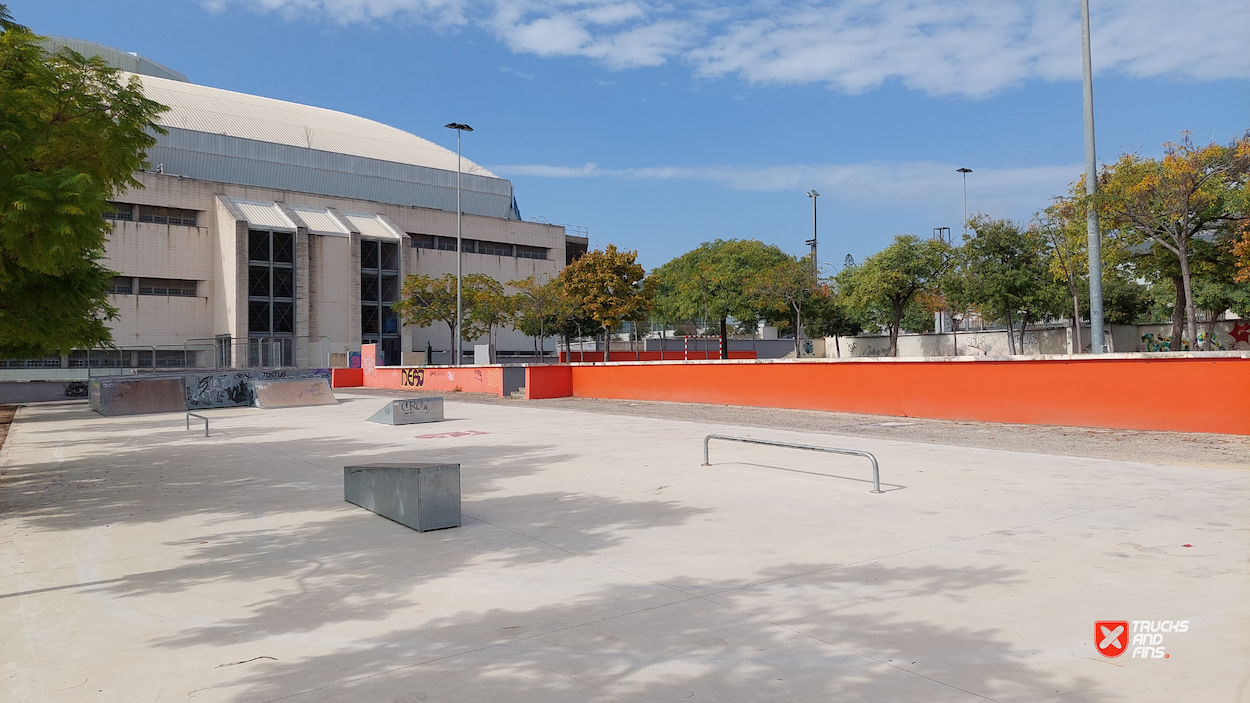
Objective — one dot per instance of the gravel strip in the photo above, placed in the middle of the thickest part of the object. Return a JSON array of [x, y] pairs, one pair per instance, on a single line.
[[1169, 448], [6, 419]]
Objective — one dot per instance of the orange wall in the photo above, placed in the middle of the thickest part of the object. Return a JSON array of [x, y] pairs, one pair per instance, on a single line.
[[1212, 395], [471, 379]]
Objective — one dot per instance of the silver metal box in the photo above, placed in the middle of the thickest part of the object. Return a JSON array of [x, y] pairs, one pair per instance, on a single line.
[[421, 496]]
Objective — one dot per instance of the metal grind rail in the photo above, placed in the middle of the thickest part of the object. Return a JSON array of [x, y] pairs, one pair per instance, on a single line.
[[199, 417], [876, 472]]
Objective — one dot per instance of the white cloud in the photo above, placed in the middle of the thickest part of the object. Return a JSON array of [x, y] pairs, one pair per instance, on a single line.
[[1015, 192], [941, 47]]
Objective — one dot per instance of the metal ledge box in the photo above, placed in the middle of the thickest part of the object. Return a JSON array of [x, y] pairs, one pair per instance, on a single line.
[[421, 496]]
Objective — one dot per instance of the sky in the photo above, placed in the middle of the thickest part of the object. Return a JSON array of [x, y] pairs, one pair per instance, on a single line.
[[661, 125]]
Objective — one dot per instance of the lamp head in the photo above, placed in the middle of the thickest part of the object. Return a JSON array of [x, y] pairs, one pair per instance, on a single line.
[[964, 170], [457, 125], [812, 194]]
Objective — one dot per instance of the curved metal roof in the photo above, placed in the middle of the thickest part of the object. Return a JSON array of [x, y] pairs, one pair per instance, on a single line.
[[223, 112], [126, 61]]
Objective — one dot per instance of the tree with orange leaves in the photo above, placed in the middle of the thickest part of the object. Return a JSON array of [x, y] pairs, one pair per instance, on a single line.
[[1193, 190]]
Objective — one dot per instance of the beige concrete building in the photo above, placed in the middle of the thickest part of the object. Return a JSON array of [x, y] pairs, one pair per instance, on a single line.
[[269, 232]]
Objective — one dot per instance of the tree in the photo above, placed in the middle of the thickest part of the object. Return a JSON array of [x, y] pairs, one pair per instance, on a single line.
[[1063, 226], [881, 288], [1190, 191], [72, 134], [607, 286], [1005, 274], [537, 308], [826, 315], [710, 282], [425, 300], [488, 305], [785, 288]]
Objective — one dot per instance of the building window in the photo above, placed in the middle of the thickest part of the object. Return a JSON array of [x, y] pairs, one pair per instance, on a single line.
[[51, 362], [270, 297], [122, 285], [119, 211], [379, 290], [429, 241], [494, 248], [167, 215], [167, 286]]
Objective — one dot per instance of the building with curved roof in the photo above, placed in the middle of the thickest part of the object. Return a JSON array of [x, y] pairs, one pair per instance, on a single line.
[[273, 233]]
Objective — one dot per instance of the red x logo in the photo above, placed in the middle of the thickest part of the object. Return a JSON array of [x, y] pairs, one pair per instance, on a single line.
[[1111, 637]]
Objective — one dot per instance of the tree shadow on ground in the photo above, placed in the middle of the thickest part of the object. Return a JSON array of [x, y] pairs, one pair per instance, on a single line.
[[642, 643]]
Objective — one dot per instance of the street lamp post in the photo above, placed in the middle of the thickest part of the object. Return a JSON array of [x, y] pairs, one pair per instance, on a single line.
[[965, 172], [812, 242], [1096, 340], [456, 343]]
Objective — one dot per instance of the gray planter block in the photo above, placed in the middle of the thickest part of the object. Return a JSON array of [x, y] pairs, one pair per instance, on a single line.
[[421, 496], [410, 411]]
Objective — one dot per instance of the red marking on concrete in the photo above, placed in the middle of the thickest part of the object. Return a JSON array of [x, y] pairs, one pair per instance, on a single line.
[[445, 435]]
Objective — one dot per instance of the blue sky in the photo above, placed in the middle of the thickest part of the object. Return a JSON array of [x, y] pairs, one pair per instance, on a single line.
[[662, 125]]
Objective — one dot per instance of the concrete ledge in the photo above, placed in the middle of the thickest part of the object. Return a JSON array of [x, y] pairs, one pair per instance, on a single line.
[[421, 496]]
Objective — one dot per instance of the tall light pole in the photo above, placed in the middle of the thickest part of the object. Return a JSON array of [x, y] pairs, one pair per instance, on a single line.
[[812, 242], [1096, 340], [965, 172], [456, 345]]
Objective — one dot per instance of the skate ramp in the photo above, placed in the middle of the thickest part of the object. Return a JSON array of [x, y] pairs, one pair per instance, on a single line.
[[136, 396], [410, 411], [292, 393]]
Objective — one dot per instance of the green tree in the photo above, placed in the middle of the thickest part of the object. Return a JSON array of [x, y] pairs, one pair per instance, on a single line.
[[826, 315], [538, 306], [607, 286], [72, 134], [1193, 190], [880, 290], [425, 300], [488, 305], [710, 282], [1005, 273], [784, 289]]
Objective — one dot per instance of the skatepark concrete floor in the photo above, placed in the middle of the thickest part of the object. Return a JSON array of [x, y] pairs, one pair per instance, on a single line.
[[599, 561]]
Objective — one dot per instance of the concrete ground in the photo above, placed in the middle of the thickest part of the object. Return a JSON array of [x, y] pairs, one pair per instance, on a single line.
[[598, 561]]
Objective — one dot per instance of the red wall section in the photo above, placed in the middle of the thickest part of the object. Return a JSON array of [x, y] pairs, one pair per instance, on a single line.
[[1125, 393], [548, 382], [347, 378]]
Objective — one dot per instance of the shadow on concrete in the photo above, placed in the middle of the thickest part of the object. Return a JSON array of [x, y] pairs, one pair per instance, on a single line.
[[641, 643], [886, 487]]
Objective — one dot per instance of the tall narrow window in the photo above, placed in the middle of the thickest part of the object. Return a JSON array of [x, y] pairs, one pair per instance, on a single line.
[[270, 298], [379, 290]]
